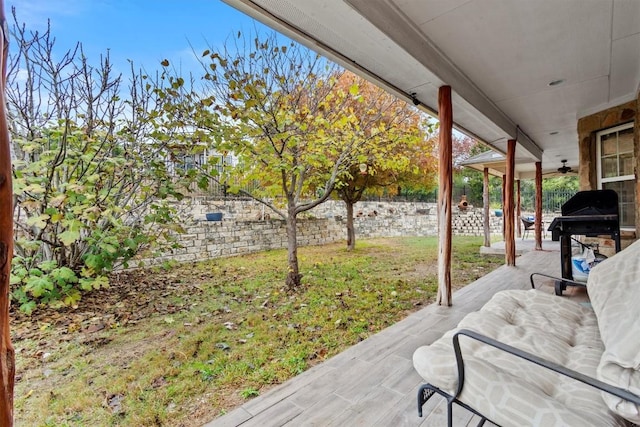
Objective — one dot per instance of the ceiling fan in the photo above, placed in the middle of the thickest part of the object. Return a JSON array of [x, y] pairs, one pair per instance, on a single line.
[[561, 171], [564, 168]]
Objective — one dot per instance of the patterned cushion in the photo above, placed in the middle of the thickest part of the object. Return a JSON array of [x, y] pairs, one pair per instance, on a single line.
[[614, 291], [511, 391]]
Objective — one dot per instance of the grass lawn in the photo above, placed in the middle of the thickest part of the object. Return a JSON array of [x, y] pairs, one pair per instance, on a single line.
[[183, 345]]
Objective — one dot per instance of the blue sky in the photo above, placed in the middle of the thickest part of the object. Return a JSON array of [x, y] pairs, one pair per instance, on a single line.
[[144, 31]]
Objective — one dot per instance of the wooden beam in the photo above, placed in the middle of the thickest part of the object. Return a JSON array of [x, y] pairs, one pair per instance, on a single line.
[[485, 206], [508, 214], [445, 181], [538, 213], [7, 354]]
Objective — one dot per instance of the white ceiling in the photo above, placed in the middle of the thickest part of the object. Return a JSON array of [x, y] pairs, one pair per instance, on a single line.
[[499, 57]]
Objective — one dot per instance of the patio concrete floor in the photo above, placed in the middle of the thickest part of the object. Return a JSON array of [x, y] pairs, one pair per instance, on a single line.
[[373, 383], [522, 246]]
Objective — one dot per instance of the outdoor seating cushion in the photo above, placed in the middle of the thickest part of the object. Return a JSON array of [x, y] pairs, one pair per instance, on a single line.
[[511, 391], [614, 291]]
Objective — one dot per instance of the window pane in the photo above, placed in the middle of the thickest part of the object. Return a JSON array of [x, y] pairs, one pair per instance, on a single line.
[[617, 163], [625, 141], [609, 144], [626, 164], [609, 167], [627, 212], [627, 200]]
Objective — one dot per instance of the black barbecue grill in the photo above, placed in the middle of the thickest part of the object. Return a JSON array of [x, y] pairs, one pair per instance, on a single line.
[[588, 213]]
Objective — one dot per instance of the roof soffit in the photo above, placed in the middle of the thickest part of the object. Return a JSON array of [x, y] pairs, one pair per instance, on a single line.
[[386, 16]]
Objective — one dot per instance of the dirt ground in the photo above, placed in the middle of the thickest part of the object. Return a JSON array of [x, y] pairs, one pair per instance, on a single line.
[[132, 297]]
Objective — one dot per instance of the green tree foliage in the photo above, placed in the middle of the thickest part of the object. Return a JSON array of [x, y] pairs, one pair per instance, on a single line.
[[466, 180], [565, 183], [91, 185], [277, 108], [397, 150]]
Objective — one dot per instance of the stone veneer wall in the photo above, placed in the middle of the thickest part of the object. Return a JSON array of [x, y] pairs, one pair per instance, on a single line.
[[242, 232], [587, 128], [214, 239]]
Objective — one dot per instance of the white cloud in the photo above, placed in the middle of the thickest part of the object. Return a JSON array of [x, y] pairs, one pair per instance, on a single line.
[[21, 76], [36, 12]]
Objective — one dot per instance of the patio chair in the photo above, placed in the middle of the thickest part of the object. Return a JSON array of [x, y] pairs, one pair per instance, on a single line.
[[528, 223]]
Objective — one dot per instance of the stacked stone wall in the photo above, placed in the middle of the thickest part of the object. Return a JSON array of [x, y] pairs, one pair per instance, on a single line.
[[214, 239], [243, 230]]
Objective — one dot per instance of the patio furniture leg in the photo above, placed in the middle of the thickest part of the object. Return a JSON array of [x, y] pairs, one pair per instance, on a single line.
[[427, 390], [424, 393]]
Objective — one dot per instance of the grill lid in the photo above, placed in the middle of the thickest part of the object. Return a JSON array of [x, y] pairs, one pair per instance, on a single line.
[[592, 202]]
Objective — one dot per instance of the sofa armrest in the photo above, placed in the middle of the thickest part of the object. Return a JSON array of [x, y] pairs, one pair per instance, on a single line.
[[561, 279], [593, 382]]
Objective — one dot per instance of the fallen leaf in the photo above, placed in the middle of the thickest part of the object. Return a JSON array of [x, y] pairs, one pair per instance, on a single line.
[[229, 325], [223, 346], [159, 382], [94, 328], [115, 403]]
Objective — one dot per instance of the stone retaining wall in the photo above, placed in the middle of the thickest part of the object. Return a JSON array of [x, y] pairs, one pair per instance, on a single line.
[[243, 231], [214, 239]]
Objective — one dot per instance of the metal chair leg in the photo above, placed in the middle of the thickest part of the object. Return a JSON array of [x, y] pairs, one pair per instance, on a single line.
[[424, 393]]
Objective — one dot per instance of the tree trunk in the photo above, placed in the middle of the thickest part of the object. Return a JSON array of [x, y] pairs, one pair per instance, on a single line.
[[351, 231], [7, 356], [294, 278]]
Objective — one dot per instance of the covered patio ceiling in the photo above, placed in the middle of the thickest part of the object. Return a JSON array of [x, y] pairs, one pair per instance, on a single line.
[[496, 165], [518, 69]]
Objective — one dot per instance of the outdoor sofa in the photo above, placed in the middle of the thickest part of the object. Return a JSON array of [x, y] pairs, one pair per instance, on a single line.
[[529, 358]]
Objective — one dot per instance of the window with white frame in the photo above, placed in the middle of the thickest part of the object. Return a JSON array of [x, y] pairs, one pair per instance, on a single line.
[[615, 169]]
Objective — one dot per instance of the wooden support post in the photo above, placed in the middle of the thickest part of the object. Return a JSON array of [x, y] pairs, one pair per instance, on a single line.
[[445, 181], [518, 209], [538, 213], [504, 186], [7, 354], [485, 205], [509, 238]]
